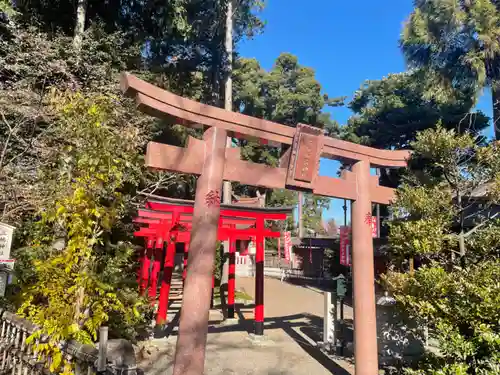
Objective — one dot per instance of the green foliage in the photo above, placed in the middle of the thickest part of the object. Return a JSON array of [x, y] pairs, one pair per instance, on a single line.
[[7, 8], [288, 94], [457, 43], [219, 255], [73, 291], [312, 210], [462, 308], [198, 57], [390, 112], [442, 221], [32, 64]]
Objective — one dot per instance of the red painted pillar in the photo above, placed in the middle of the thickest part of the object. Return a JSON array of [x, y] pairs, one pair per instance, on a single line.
[[146, 263], [259, 279], [156, 269], [231, 279], [186, 254], [161, 316]]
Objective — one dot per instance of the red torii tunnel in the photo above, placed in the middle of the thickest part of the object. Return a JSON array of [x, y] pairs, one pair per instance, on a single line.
[[167, 222]]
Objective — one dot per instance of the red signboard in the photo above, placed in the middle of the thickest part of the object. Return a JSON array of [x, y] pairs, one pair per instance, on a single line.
[[288, 246], [345, 258]]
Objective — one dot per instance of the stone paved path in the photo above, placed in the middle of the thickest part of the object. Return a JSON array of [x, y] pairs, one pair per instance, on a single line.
[[282, 299], [293, 324]]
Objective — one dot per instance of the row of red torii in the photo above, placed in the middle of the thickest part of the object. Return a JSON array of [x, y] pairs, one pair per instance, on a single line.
[[166, 222]]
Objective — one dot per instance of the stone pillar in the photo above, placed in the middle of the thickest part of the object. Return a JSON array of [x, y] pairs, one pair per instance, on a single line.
[[365, 323], [193, 327]]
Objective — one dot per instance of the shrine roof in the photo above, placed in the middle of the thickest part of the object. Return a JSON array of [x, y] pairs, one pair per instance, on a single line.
[[238, 207]]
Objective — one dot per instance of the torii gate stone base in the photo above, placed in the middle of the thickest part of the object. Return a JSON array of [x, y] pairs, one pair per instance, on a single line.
[[213, 162]]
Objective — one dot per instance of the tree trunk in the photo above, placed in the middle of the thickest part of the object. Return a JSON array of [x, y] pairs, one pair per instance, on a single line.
[[228, 105], [228, 88], [461, 238], [495, 95], [81, 12]]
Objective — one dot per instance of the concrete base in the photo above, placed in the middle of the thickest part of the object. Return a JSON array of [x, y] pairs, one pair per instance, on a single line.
[[260, 340], [215, 315]]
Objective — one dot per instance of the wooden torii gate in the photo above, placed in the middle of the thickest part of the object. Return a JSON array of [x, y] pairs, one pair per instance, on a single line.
[[299, 169]]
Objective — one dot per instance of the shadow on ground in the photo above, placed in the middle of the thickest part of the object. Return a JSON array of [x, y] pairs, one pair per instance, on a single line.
[[304, 329]]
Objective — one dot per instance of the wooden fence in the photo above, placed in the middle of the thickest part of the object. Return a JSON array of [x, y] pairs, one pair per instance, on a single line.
[[113, 357]]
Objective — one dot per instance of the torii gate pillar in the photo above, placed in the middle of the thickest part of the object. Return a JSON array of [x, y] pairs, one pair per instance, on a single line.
[[193, 324], [365, 319]]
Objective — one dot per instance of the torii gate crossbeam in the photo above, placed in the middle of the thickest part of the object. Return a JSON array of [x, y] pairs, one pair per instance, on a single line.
[[298, 169]]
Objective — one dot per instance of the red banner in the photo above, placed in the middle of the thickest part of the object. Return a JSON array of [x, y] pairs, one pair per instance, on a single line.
[[374, 227], [288, 246], [345, 258]]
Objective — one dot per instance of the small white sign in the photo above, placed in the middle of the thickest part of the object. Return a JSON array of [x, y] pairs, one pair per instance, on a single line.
[[6, 233], [252, 249]]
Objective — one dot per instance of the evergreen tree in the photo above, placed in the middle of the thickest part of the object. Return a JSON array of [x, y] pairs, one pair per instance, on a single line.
[[458, 45], [390, 112], [446, 222], [289, 94]]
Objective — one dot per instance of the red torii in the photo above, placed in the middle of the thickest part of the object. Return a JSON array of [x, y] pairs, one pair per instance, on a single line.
[[169, 221]]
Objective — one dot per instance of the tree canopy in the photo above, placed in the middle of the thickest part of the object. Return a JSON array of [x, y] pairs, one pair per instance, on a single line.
[[288, 94], [61, 104], [390, 112], [458, 45]]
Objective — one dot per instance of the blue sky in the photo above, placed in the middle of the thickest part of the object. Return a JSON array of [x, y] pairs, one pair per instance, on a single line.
[[345, 42]]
